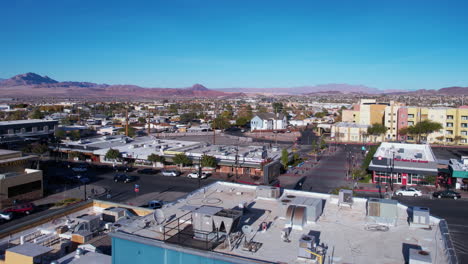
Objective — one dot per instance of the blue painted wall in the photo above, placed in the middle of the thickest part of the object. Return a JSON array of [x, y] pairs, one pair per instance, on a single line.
[[129, 252]]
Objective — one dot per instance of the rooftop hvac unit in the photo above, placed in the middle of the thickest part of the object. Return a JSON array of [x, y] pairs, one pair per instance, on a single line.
[[113, 214], [267, 192], [418, 155], [418, 256], [93, 221], [202, 220], [388, 208], [421, 216], [306, 243], [345, 197], [373, 207], [82, 237]]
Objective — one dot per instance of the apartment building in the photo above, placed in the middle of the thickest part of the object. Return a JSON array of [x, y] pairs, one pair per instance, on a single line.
[[454, 123]]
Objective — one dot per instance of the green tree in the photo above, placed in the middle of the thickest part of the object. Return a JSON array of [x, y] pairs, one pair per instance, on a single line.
[[39, 149], [36, 114], [424, 127], [113, 154], [376, 130], [181, 159], [285, 158], [131, 131], [242, 121], [142, 120], [76, 154], [277, 107], [187, 117], [60, 134], [220, 123], [208, 161], [262, 109], [156, 158], [75, 134]]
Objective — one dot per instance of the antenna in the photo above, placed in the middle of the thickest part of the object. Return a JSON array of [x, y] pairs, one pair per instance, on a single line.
[[159, 216]]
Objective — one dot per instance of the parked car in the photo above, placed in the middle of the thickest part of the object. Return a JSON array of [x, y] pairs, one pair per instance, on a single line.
[[147, 171], [447, 194], [26, 208], [195, 175], [408, 192], [6, 216], [124, 178], [155, 204], [79, 169], [171, 173]]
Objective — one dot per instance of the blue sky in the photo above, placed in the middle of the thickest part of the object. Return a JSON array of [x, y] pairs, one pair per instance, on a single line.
[[236, 43]]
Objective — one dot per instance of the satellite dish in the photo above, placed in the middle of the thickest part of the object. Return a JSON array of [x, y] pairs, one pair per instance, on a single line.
[[159, 216], [248, 231]]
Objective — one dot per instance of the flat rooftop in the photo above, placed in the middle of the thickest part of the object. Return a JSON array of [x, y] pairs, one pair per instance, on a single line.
[[345, 231], [142, 147], [404, 151], [28, 121], [229, 152]]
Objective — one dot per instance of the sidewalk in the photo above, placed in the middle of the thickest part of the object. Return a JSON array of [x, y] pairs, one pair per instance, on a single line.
[[77, 192]]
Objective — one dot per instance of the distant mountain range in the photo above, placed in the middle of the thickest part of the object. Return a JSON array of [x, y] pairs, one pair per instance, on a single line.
[[32, 84], [344, 88]]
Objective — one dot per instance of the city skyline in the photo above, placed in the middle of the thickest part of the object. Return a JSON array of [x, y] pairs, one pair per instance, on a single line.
[[408, 46]]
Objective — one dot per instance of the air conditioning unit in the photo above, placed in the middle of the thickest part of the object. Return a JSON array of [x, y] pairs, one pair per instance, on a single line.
[[373, 207], [306, 243], [345, 197], [421, 216], [268, 192]]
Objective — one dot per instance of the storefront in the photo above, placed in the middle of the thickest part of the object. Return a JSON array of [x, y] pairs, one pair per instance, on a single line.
[[405, 164]]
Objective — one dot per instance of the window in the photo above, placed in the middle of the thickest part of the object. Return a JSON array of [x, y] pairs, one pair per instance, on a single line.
[[449, 132], [464, 125], [464, 133], [410, 123], [449, 124], [464, 117], [24, 188], [403, 115], [450, 117], [463, 140], [410, 138], [410, 116], [449, 139]]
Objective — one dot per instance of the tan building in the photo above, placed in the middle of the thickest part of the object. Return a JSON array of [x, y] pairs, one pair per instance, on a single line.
[[349, 132], [16, 182]]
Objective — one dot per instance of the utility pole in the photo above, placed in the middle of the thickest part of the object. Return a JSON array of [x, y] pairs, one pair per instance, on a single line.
[[149, 122], [126, 122]]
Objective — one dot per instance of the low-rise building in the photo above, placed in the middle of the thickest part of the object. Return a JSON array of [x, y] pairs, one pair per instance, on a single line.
[[227, 223], [17, 182], [405, 164], [268, 121], [350, 132], [18, 130]]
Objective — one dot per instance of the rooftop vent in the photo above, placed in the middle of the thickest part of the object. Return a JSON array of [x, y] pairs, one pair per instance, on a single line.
[[267, 192], [421, 216], [418, 155], [345, 197], [401, 150], [418, 256], [307, 243]]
